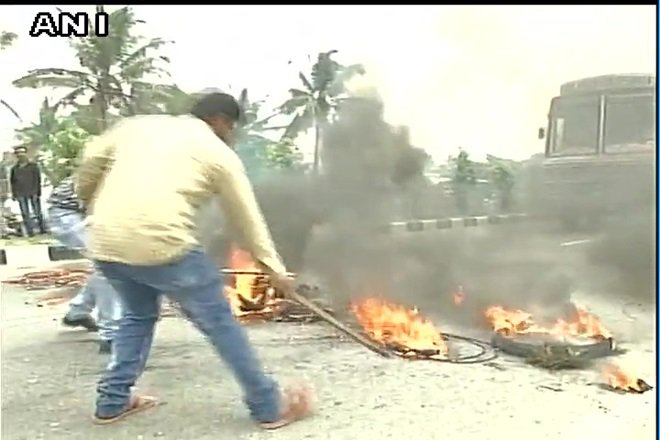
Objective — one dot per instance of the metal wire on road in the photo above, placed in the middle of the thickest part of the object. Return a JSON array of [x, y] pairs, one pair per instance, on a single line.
[[486, 352]]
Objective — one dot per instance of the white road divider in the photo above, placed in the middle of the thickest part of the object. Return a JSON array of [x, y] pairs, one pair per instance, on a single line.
[[421, 225], [33, 255]]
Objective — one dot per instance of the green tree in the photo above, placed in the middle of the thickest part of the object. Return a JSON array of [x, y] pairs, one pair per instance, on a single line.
[[250, 127], [313, 104], [502, 177], [261, 154], [7, 39], [159, 99], [284, 156], [56, 141], [464, 179], [36, 135], [113, 70], [62, 152]]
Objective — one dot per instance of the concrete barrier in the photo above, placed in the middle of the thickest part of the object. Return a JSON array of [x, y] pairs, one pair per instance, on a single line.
[[435, 224], [34, 255]]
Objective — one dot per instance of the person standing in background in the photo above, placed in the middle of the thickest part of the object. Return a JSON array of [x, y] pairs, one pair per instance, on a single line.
[[4, 194], [25, 181], [69, 226]]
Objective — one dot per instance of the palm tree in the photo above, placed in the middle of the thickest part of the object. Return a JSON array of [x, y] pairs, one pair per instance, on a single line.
[[313, 104], [112, 70], [251, 144], [6, 40], [37, 134], [55, 141], [464, 178], [157, 99]]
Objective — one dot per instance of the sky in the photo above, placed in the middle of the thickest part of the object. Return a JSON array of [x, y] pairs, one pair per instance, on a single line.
[[476, 77]]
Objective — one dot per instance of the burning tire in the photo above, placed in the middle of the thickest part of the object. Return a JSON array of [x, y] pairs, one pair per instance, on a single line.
[[533, 345]]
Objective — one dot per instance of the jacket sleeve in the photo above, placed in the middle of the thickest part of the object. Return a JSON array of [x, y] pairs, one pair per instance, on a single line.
[[242, 210], [97, 158]]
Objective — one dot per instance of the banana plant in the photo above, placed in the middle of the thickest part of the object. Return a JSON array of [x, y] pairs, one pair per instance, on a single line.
[[112, 69], [312, 105]]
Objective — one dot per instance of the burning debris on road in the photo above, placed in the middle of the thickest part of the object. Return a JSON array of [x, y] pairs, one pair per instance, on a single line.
[[247, 289], [411, 336], [402, 330], [252, 298], [618, 380], [564, 343], [517, 322]]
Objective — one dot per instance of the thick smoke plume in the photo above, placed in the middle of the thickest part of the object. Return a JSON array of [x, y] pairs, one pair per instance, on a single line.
[[328, 229]]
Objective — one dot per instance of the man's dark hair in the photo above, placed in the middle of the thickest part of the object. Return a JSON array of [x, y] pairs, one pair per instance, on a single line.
[[216, 104]]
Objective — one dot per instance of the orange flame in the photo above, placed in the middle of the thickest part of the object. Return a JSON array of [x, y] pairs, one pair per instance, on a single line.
[[243, 285], [618, 379], [392, 324], [582, 323]]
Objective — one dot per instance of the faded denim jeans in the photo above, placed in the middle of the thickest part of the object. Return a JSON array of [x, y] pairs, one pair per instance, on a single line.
[[24, 204], [69, 228], [194, 283]]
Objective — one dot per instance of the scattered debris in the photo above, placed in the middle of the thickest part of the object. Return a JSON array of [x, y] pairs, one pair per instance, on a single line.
[[252, 297], [407, 334], [51, 279], [569, 342], [509, 322], [248, 290], [403, 331], [616, 379], [551, 388]]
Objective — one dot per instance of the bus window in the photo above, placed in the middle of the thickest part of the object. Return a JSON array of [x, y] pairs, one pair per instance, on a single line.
[[574, 129], [629, 123]]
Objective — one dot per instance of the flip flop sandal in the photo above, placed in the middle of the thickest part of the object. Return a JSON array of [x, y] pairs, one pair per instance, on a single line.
[[137, 404], [297, 405]]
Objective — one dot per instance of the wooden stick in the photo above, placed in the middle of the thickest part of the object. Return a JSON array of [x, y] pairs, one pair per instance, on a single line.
[[318, 311], [295, 296]]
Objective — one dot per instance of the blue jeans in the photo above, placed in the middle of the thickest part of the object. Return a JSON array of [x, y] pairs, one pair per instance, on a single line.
[[194, 283], [69, 228], [24, 203]]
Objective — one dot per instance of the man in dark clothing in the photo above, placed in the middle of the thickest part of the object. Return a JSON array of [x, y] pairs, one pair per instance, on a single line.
[[25, 180]]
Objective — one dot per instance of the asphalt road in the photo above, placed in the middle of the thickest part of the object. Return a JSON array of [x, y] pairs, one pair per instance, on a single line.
[[49, 375]]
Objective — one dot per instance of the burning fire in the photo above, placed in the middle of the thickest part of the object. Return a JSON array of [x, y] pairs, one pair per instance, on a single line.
[[582, 323], [249, 293], [398, 327], [616, 378]]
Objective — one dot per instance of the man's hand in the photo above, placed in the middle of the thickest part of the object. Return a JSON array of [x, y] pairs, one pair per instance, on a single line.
[[283, 283]]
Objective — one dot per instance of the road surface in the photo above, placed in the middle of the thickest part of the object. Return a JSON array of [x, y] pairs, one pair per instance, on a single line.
[[49, 375]]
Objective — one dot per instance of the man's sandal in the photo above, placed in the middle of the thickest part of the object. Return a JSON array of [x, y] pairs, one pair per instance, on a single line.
[[137, 404], [297, 404]]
